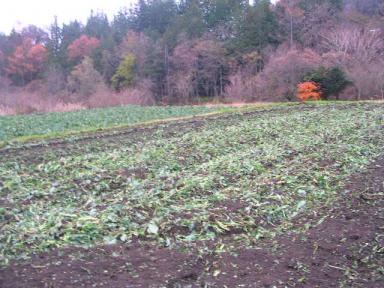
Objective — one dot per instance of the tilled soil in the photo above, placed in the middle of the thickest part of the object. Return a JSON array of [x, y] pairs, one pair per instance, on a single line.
[[343, 248]]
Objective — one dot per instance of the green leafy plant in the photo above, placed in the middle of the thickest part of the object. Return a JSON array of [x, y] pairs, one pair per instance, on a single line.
[[332, 81], [58, 123], [183, 182]]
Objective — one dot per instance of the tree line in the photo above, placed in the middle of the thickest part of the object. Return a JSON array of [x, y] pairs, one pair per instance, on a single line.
[[169, 51]]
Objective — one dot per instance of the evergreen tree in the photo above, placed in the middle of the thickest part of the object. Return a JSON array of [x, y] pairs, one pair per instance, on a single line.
[[97, 26], [332, 81], [54, 44], [308, 5], [154, 16], [121, 24], [191, 20], [218, 12], [257, 29]]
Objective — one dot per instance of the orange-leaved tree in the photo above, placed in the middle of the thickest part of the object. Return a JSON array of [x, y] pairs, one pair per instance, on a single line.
[[82, 47], [27, 60], [308, 91]]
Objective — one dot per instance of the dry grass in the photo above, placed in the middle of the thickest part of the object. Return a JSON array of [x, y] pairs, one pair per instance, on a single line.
[[5, 111], [133, 96], [67, 107], [22, 101]]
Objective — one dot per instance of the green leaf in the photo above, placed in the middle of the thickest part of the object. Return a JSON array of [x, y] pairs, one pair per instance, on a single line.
[[153, 228], [301, 205]]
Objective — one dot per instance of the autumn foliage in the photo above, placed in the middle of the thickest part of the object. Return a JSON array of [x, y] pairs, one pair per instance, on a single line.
[[186, 52], [27, 60], [82, 47], [308, 91], [124, 76]]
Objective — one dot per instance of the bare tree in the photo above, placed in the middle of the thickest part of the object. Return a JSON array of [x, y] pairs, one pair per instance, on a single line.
[[242, 87], [278, 80], [363, 44], [183, 74], [368, 7], [55, 81], [140, 46], [84, 81], [211, 61], [360, 52], [291, 16], [323, 17]]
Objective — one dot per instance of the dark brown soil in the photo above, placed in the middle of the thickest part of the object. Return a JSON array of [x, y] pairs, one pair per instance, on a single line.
[[344, 250]]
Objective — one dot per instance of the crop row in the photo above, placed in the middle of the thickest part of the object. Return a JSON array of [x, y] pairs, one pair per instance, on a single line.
[[56, 123], [245, 174]]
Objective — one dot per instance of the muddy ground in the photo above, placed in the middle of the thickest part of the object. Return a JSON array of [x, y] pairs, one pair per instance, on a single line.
[[343, 248]]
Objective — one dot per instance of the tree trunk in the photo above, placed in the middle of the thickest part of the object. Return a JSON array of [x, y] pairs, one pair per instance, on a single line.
[[166, 62], [22, 79], [221, 81], [291, 39]]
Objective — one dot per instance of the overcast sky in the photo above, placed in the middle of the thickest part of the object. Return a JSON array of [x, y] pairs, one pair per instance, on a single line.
[[20, 13]]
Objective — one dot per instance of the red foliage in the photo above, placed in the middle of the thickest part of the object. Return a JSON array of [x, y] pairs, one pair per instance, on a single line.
[[27, 59], [82, 47], [308, 91]]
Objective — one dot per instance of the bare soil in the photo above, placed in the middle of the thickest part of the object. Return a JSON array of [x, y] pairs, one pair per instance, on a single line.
[[343, 247]]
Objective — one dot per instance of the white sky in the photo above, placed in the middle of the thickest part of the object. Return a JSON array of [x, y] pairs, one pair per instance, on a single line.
[[20, 13]]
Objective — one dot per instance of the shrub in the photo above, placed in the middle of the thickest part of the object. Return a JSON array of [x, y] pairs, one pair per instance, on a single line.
[[308, 91], [332, 81]]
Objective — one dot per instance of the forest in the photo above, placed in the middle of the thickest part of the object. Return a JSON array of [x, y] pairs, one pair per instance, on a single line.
[[185, 52], [200, 143]]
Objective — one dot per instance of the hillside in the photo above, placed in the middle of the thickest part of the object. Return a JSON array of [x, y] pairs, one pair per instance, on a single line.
[[179, 52]]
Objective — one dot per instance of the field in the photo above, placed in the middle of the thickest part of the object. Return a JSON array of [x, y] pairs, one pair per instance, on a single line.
[[56, 124], [273, 197]]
